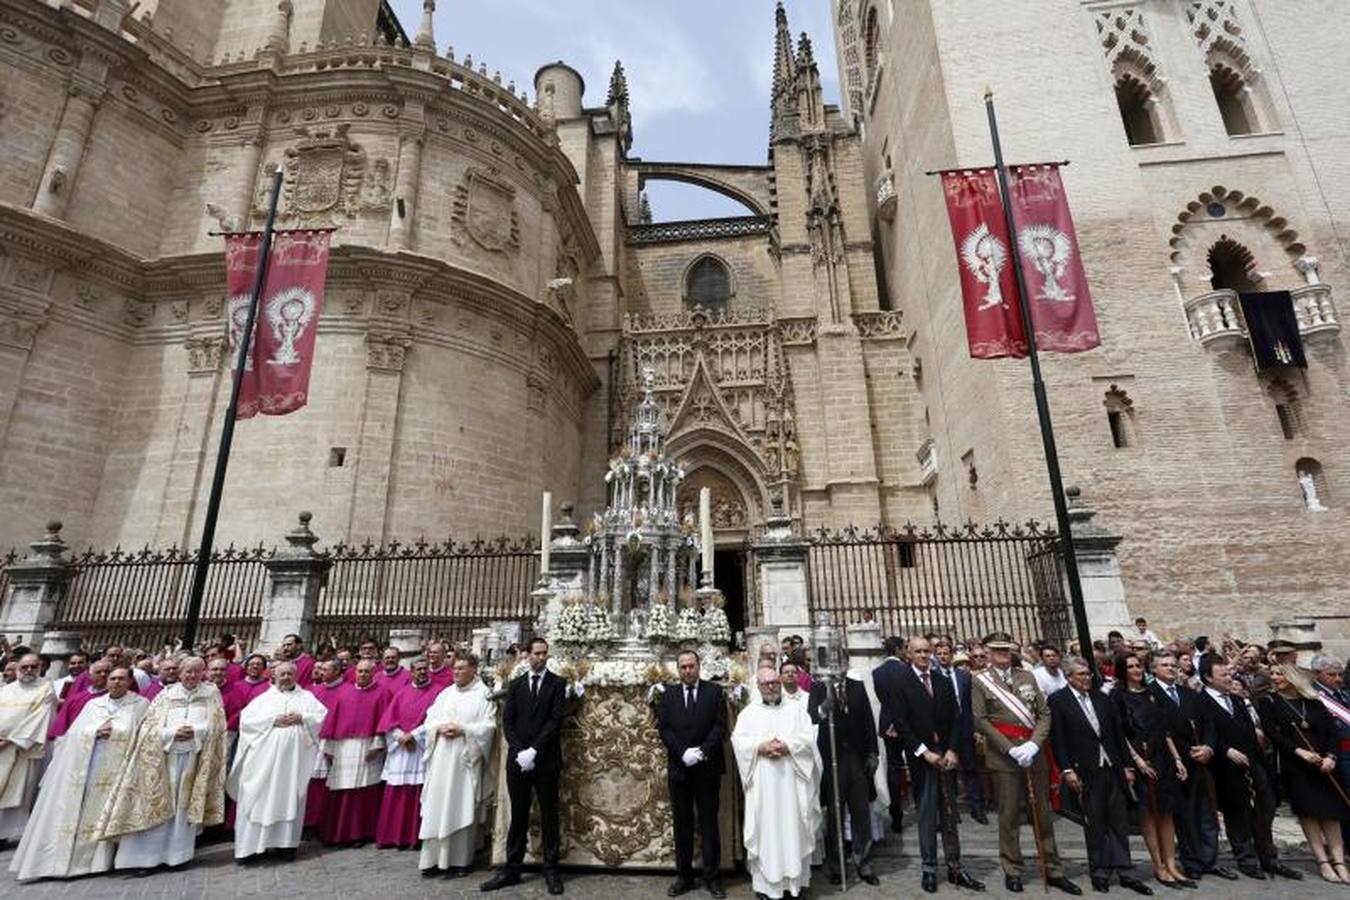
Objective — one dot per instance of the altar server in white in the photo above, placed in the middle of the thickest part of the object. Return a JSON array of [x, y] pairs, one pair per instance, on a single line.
[[173, 785], [775, 746], [59, 841], [278, 743], [26, 708], [458, 733]]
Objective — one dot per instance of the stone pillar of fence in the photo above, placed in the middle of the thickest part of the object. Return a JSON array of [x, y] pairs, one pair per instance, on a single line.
[[36, 583], [781, 557], [1098, 568], [296, 574]]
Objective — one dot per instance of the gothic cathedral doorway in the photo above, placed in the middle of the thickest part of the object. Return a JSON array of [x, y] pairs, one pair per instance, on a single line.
[[729, 576]]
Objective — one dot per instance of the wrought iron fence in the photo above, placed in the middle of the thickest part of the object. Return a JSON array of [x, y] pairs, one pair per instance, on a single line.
[[446, 589], [140, 598], [966, 581]]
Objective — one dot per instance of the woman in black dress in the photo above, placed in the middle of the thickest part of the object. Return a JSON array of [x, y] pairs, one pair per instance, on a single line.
[[1159, 765], [1300, 727]]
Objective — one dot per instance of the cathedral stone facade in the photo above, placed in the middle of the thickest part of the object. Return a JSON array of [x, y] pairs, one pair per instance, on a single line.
[[1207, 157], [497, 288]]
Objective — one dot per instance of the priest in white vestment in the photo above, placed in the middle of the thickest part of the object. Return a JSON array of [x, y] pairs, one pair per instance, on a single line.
[[174, 783], [59, 841], [27, 705], [458, 732], [775, 746], [278, 743]]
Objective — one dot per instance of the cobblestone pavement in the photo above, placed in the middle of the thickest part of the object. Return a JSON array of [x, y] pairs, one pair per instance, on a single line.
[[367, 872]]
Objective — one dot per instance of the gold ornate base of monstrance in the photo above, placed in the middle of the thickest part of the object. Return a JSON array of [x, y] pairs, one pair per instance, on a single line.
[[614, 805]]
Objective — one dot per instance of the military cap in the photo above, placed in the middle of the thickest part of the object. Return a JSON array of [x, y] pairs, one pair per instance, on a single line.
[[999, 640], [1280, 645]]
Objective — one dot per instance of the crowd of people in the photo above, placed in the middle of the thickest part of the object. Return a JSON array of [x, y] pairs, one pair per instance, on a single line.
[[129, 760]]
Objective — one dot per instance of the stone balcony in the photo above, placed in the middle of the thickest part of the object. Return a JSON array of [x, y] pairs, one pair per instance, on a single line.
[[928, 462], [886, 197], [1216, 317]]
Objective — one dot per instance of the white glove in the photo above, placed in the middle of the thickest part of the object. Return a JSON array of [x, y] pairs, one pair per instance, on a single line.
[[693, 756], [525, 759], [1019, 754], [1027, 754]]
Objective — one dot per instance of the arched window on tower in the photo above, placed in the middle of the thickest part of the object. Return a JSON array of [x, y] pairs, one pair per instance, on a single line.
[[1120, 418], [1312, 484], [1138, 111], [707, 284], [1235, 98], [1288, 409], [1232, 266]]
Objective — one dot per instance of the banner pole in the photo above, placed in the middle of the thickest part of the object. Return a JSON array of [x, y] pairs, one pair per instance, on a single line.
[[203, 563], [1042, 406]]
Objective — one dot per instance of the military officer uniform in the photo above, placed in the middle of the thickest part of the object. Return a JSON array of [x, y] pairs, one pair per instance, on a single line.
[[1010, 711]]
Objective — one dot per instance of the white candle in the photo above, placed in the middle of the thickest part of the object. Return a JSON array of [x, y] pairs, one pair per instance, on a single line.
[[705, 528], [545, 531]]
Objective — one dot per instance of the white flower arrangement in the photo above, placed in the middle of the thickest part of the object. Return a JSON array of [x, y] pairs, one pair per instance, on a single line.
[[738, 695], [716, 628], [689, 626], [599, 629], [572, 627], [655, 693], [659, 630]]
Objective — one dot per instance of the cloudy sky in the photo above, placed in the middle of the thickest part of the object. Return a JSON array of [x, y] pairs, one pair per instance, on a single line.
[[698, 70]]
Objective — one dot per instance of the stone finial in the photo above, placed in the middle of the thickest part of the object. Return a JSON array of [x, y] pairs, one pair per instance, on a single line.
[[425, 39], [47, 551], [618, 86], [279, 40], [300, 540]]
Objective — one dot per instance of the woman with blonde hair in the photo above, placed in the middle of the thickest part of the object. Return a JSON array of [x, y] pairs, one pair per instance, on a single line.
[[1299, 726]]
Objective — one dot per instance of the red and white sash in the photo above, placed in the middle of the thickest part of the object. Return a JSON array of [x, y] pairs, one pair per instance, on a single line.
[[1335, 707], [1011, 701]]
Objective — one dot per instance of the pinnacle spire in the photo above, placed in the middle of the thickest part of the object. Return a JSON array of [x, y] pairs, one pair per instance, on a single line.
[[618, 86], [784, 67], [425, 39], [805, 55]]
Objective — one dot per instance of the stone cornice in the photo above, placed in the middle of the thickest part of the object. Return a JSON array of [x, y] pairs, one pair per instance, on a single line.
[[59, 243], [173, 281]]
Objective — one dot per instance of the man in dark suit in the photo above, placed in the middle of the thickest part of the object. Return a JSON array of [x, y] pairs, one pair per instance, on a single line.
[[927, 721], [1089, 746], [886, 681], [1245, 794], [856, 739], [1192, 733], [532, 722], [964, 740], [692, 720]]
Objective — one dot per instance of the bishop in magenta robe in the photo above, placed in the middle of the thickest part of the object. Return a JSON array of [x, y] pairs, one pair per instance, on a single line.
[[355, 752], [404, 771], [75, 701], [327, 682]]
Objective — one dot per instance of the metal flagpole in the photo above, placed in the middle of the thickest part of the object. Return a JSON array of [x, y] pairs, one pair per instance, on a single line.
[[1042, 406], [203, 565]]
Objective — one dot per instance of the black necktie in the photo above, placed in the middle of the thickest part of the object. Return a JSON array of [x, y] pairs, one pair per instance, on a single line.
[[534, 685], [688, 697]]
